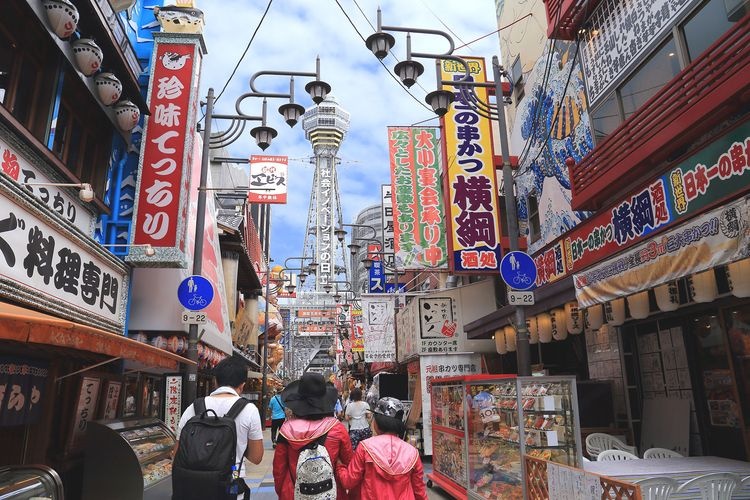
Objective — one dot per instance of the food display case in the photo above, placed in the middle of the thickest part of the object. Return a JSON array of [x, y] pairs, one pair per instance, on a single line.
[[27, 482], [484, 424], [128, 459]]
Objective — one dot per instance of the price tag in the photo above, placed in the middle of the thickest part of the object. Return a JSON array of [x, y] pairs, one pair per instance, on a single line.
[[518, 298], [193, 317]]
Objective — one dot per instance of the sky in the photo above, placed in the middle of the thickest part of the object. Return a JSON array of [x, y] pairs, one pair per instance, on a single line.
[[292, 34]]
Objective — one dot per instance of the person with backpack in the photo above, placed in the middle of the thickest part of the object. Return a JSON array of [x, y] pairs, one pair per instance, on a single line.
[[278, 415], [310, 443], [385, 467], [214, 434]]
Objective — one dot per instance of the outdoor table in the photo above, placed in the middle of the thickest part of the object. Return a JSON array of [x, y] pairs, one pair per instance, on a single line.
[[680, 469]]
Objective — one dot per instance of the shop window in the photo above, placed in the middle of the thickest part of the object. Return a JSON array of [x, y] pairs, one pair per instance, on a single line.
[[82, 135], [532, 207], [646, 81], [27, 68], [737, 320], [709, 23], [606, 118]]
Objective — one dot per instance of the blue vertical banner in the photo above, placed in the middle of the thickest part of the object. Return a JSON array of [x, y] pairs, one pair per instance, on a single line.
[[22, 390], [377, 278]]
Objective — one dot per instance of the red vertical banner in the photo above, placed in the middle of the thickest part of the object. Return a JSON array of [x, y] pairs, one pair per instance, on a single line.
[[160, 218]]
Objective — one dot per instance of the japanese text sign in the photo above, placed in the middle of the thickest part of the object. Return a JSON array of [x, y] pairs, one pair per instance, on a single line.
[[85, 410], [471, 186], [111, 399], [166, 155], [438, 325], [718, 237], [22, 389], [268, 179], [49, 264], [173, 402], [358, 331], [389, 235], [377, 277], [718, 171], [379, 331], [417, 197]]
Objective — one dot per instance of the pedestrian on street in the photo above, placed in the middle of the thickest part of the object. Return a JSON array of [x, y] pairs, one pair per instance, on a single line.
[[278, 415], [385, 467], [357, 413], [310, 443], [192, 477]]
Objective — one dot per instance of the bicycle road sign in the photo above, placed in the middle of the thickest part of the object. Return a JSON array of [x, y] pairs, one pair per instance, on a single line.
[[195, 293], [518, 270]]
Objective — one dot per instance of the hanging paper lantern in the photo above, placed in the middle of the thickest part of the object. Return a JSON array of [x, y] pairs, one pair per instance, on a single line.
[[141, 337], [667, 296], [594, 317], [108, 87], [638, 305], [703, 286], [127, 115], [544, 322], [500, 345], [614, 312], [559, 324], [738, 274], [573, 318], [510, 338], [201, 351], [62, 16], [533, 328], [159, 341], [88, 56]]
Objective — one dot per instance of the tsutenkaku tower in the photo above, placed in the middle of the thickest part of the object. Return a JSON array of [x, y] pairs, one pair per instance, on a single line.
[[325, 126]]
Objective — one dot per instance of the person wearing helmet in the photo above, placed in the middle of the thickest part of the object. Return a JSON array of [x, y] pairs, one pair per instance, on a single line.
[[385, 467]]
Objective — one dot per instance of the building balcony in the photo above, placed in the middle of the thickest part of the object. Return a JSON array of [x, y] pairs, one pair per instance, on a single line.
[[707, 92], [566, 17]]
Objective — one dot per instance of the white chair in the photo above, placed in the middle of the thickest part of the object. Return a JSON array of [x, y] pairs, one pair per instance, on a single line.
[[713, 486], [657, 488], [597, 442], [615, 455], [660, 453]]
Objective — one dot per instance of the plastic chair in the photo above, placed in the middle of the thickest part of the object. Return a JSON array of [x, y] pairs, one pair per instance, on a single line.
[[657, 488], [615, 455], [660, 453], [597, 442], [713, 486]]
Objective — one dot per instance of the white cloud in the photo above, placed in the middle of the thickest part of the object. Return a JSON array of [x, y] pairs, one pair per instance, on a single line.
[[292, 35]]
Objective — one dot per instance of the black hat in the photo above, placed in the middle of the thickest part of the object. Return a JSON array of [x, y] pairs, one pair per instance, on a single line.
[[310, 395]]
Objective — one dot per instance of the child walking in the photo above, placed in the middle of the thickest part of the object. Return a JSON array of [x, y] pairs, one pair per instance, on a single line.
[[384, 467]]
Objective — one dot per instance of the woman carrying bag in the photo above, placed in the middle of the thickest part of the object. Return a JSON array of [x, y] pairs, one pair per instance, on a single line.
[[358, 415]]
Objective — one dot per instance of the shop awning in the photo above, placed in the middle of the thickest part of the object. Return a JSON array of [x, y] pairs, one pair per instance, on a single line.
[[25, 325]]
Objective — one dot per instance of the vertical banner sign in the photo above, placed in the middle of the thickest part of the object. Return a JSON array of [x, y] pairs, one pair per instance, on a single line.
[[22, 390], [380, 334], [85, 410], [268, 179], [166, 154], [417, 197], [324, 228], [173, 401], [386, 214], [471, 186], [376, 273], [358, 331], [111, 399]]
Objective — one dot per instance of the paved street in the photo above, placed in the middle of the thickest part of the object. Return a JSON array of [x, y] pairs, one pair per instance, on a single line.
[[260, 477]]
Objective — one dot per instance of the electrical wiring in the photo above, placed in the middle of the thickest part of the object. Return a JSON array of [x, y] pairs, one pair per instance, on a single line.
[[381, 62], [496, 31]]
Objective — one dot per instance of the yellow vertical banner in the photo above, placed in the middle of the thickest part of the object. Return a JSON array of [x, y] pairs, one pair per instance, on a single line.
[[470, 183]]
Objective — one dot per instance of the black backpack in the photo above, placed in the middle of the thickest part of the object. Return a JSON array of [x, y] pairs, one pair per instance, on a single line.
[[202, 467]]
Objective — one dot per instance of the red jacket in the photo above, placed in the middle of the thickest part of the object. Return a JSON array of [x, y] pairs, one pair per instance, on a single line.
[[384, 468], [297, 433]]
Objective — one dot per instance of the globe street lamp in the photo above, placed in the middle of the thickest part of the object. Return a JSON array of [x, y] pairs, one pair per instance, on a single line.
[[380, 43]]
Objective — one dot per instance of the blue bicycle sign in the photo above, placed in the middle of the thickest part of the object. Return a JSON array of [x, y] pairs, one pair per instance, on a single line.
[[195, 293], [518, 270]]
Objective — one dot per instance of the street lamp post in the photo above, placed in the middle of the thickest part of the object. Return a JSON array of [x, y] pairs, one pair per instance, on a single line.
[[263, 136], [380, 43]]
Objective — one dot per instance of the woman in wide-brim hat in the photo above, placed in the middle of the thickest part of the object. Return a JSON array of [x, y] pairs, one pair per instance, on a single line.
[[311, 401]]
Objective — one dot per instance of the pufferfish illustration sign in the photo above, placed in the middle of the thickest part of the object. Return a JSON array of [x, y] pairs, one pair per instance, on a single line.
[[268, 179]]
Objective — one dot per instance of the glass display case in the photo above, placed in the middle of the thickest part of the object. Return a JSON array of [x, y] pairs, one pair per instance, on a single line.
[[128, 459], [488, 422], [30, 482]]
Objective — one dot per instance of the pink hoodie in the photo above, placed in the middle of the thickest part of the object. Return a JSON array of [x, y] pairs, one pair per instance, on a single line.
[[297, 433], [384, 467]]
